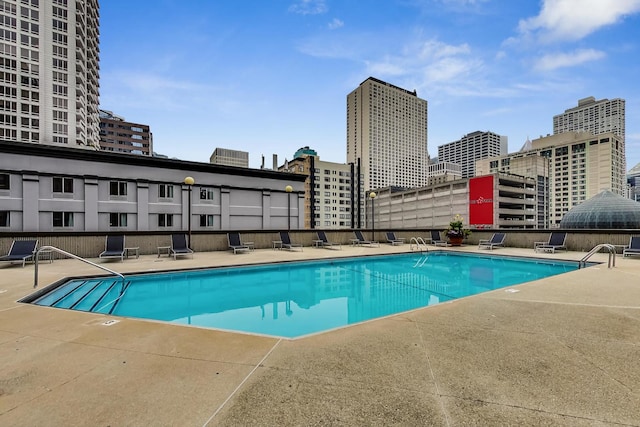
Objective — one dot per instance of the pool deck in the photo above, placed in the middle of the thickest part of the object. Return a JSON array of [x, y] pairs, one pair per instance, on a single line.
[[561, 351]]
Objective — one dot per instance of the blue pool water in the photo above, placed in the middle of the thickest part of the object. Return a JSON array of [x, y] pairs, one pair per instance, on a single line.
[[296, 299]]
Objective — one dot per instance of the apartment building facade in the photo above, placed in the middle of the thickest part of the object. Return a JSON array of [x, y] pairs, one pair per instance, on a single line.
[[120, 136], [333, 196], [471, 147], [387, 134], [576, 166], [597, 117], [228, 157], [59, 189], [49, 73]]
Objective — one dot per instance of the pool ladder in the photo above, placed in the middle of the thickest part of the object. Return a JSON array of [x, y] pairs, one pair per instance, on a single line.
[[609, 247], [419, 243], [60, 251]]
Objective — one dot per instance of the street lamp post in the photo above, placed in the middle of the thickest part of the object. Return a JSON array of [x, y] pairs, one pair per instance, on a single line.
[[372, 196], [189, 181], [288, 189]]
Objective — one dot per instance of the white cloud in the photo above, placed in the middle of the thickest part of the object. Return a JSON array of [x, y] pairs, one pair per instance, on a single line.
[[335, 24], [309, 7], [562, 20], [561, 60]]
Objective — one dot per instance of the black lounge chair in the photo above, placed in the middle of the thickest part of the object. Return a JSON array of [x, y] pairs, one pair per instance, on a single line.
[[179, 246], [113, 248], [555, 243], [236, 244], [21, 251], [286, 241], [360, 240], [634, 247], [322, 238], [391, 238], [496, 240], [436, 240]]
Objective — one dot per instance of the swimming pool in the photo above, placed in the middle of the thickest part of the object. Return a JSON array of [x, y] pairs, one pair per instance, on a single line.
[[298, 298]]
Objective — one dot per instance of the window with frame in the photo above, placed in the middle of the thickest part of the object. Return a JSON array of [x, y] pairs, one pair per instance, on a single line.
[[5, 183], [165, 191], [206, 194], [117, 219], [63, 219], [4, 218], [62, 185], [165, 220], [117, 188], [206, 220]]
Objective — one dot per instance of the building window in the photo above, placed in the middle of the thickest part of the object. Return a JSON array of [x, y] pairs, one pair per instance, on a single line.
[[206, 220], [165, 220], [206, 194], [117, 188], [62, 185], [4, 181], [63, 219], [117, 220], [165, 191], [4, 218]]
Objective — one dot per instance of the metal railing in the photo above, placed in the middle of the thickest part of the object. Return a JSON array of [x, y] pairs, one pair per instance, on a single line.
[[421, 245], [609, 247], [60, 251]]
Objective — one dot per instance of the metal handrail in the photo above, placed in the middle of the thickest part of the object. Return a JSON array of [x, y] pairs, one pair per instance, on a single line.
[[419, 241], [60, 251], [610, 248]]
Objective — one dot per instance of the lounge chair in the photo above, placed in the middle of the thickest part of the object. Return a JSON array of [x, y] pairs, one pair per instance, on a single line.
[[556, 242], [179, 246], [436, 240], [496, 240], [322, 239], [633, 248], [236, 244], [113, 248], [391, 238], [286, 241], [20, 250], [360, 240]]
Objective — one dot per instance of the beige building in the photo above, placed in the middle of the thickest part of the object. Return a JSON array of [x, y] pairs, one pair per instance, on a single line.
[[441, 172], [578, 166], [333, 193], [387, 134], [49, 73], [225, 156], [492, 201]]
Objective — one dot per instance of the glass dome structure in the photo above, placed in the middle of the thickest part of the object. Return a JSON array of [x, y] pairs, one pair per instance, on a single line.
[[605, 210]]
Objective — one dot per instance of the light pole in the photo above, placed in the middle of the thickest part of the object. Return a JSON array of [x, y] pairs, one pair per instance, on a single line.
[[372, 196], [288, 189], [189, 181]]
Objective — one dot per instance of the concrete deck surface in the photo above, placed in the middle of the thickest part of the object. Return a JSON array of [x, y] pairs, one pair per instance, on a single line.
[[561, 351]]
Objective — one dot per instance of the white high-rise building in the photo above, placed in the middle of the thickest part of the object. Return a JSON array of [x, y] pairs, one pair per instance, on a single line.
[[471, 147], [596, 117], [387, 135], [49, 73]]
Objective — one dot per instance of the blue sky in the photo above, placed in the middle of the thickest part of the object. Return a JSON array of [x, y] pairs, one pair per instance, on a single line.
[[269, 77]]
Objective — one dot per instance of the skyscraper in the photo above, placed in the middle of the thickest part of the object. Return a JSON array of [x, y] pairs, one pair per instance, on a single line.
[[49, 84], [471, 147], [387, 133]]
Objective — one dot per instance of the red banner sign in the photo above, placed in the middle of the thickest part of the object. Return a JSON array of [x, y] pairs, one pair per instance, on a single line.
[[481, 201]]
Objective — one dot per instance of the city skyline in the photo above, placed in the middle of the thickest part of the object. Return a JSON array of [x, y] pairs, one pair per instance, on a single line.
[[269, 78]]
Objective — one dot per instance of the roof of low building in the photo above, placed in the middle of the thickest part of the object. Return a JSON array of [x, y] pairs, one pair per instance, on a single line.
[[605, 210]]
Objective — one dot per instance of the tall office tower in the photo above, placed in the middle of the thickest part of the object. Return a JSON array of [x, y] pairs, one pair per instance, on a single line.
[[471, 147], [387, 135], [49, 72], [225, 156], [118, 135], [596, 117]]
